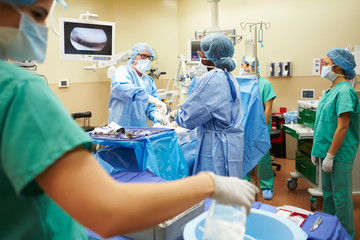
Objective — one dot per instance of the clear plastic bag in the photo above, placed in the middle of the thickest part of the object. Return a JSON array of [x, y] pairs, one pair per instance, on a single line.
[[225, 222]]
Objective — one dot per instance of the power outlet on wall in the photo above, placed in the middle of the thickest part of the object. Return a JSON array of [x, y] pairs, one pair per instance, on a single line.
[[63, 83]]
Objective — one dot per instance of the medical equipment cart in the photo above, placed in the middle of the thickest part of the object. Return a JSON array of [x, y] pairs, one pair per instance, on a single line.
[[304, 132]]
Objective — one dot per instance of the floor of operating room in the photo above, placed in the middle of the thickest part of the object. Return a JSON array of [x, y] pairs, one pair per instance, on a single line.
[[300, 196]]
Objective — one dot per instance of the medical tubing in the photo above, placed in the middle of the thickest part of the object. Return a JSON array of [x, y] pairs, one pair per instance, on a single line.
[[52, 19], [62, 3]]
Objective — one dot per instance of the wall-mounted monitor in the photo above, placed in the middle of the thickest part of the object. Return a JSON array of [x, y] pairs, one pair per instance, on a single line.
[[192, 51], [86, 40], [307, 93]]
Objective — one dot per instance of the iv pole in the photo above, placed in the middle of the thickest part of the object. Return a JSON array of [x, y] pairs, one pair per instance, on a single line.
[[267, 26]]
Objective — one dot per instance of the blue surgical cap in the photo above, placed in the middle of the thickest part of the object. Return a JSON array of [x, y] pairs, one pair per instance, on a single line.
[[18, 2], [219, 49], [345, 60], [252, 63], [138, 48]]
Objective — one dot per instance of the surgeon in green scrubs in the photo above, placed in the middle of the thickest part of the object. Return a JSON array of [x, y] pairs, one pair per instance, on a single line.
[[337, 136], [265, 171]]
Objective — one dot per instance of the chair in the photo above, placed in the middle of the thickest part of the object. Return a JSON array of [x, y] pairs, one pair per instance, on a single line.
[[275, 133], [86, 116]]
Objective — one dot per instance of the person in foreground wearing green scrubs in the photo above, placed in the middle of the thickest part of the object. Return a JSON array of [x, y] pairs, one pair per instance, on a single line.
[[51, 187], [337, 136], [265, 171]]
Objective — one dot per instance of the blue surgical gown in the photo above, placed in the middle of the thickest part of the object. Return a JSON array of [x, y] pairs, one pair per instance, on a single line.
[[214, 108], [128, 103], [256, 137]]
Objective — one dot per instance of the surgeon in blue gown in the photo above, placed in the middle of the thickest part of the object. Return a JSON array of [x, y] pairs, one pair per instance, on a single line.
[[214, 108], [134, 93]]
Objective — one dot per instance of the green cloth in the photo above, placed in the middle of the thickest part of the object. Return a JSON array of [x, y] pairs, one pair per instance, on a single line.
[[337, 194], [341, 99], [267, 93], [35, 131], [265, 171]]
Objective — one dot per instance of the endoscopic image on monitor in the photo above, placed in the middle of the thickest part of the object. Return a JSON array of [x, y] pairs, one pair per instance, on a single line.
[[88, 39]]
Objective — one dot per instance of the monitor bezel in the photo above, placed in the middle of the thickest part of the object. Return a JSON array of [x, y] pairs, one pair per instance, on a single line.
[[85, 57], [189, 58]]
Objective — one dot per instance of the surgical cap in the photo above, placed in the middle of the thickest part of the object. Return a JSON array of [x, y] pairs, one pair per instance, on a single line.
[[252, 63], [343, 59], [18, 2], [138, 48], [219, 49]]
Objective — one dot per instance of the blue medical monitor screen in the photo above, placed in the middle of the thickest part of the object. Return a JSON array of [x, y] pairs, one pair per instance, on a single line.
[[87, 40]]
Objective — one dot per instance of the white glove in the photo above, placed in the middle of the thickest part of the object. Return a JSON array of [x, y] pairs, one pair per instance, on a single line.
[[314, 160], [173, 124], [181, 132], [233, 190], [327, 164], [168, 120], [157, 125], [171, 117], [159, 117], [173, 114], [161, 106]]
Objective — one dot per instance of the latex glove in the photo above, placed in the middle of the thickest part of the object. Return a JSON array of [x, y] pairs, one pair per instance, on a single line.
[[181, 132], [171, 117], [233, 190], [160, 105], [168, 120], [327, 164], [173, 114], [157, 125], [314, 160], [159, 117], [173, 124]]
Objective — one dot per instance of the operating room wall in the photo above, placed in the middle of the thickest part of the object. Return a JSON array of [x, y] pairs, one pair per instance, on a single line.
[[153, 22], [299, 32]]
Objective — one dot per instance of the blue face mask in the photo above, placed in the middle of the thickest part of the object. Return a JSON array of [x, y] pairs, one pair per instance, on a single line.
[[143, 65], [28, 42]]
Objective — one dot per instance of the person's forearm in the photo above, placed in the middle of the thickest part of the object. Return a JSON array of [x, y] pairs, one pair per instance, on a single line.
[[146, 206], [338, 139], [268, 110], [110, 208], [128, 93], [267, 116]]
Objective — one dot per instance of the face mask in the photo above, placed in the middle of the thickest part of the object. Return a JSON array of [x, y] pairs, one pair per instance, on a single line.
[[201, 69], [244, 73], [28, 42], [143, 65], [204, 68], [327, 73]]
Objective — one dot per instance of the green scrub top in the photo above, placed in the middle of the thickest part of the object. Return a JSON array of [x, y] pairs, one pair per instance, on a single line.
[[341, 99], [267, 93], [35, 130]]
